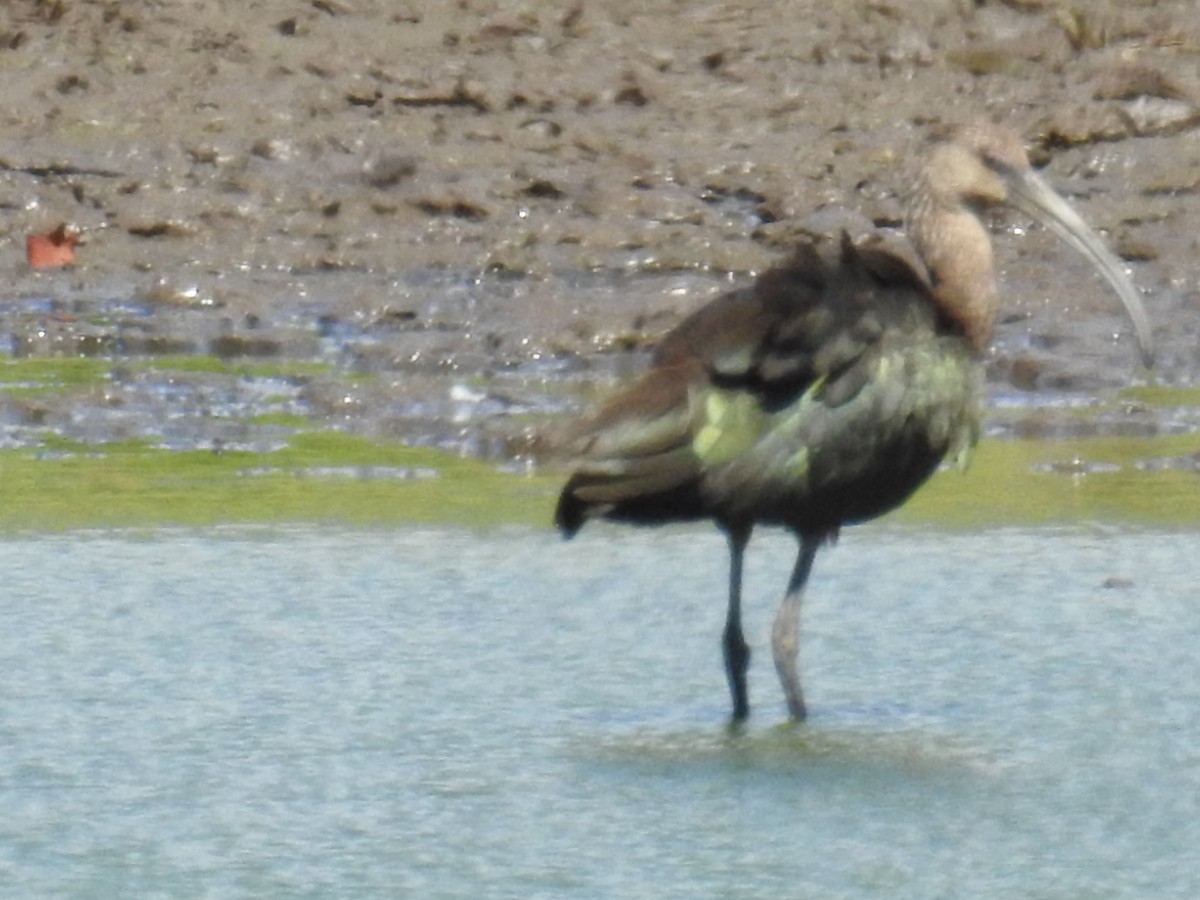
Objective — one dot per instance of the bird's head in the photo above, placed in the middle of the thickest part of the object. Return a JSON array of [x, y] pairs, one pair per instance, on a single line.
[[984, 164]]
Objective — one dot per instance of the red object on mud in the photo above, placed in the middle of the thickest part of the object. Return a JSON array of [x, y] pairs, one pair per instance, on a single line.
[[55, 248]]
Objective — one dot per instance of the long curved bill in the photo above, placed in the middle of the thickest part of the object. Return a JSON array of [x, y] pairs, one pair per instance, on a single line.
[[1032, 196]]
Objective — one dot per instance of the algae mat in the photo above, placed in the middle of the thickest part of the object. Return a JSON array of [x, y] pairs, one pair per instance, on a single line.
[[315, 477], [328, 476]]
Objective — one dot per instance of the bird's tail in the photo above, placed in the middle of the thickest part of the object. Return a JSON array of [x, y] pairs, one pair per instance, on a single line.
[[656, 487], [570, 513]]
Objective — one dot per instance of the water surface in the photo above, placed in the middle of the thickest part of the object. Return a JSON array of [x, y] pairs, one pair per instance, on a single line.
[[445, 713]]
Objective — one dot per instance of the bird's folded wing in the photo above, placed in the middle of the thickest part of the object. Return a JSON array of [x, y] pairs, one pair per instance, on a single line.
[[811, 327]]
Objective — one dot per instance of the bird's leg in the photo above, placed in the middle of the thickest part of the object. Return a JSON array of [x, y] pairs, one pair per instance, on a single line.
[[737, 653], [784, 632]]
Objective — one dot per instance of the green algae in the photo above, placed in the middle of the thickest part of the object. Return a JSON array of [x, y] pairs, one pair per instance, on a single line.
[[1161, 396], [42, 374], [283, 368], [317, 477], [329, 476], [1140, 481], [52, 373]]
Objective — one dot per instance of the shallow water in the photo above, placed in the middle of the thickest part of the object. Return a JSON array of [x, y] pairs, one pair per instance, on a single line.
[[441, 713]]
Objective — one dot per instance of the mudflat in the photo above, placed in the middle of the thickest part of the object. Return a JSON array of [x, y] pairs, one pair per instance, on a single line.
[[467, 211]]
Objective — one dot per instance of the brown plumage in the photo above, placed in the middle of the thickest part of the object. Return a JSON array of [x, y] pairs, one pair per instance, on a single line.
[[829, 390]]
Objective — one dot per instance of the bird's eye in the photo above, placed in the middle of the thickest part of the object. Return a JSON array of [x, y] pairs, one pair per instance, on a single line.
[[980, 204]]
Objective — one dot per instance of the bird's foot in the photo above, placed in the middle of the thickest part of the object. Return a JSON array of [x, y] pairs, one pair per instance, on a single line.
[[796, 707]]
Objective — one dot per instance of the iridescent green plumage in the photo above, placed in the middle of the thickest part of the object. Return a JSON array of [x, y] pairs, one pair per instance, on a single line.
[[824, 394], [829, 390]]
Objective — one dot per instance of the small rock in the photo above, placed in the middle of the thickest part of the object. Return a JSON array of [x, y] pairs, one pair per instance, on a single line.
[[1133, 250], [455, 207], [542, 189], [271, 148], [388, 171], [1025, 373], [162, 228], [631, 95]]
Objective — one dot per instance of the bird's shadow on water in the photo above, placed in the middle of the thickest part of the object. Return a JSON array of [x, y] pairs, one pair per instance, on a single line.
[[881, 740]]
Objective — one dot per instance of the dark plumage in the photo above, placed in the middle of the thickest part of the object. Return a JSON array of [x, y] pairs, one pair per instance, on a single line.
[[825, 393]]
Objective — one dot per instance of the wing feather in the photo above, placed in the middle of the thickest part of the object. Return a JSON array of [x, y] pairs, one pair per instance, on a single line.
[[812, 326]]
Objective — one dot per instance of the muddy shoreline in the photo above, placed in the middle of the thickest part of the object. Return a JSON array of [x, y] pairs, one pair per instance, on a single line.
[[466, 215]]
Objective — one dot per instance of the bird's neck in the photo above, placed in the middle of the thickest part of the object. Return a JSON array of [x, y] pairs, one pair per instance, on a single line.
[[957, 252]]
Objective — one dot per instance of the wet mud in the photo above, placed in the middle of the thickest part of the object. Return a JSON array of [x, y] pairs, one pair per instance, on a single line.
[[449, 222]]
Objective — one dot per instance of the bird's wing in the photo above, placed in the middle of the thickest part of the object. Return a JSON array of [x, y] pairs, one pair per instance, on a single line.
[[809, 326], [816, 318]]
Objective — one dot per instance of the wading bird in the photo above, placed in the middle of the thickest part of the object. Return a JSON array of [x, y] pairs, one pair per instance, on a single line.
[[826, 392]]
